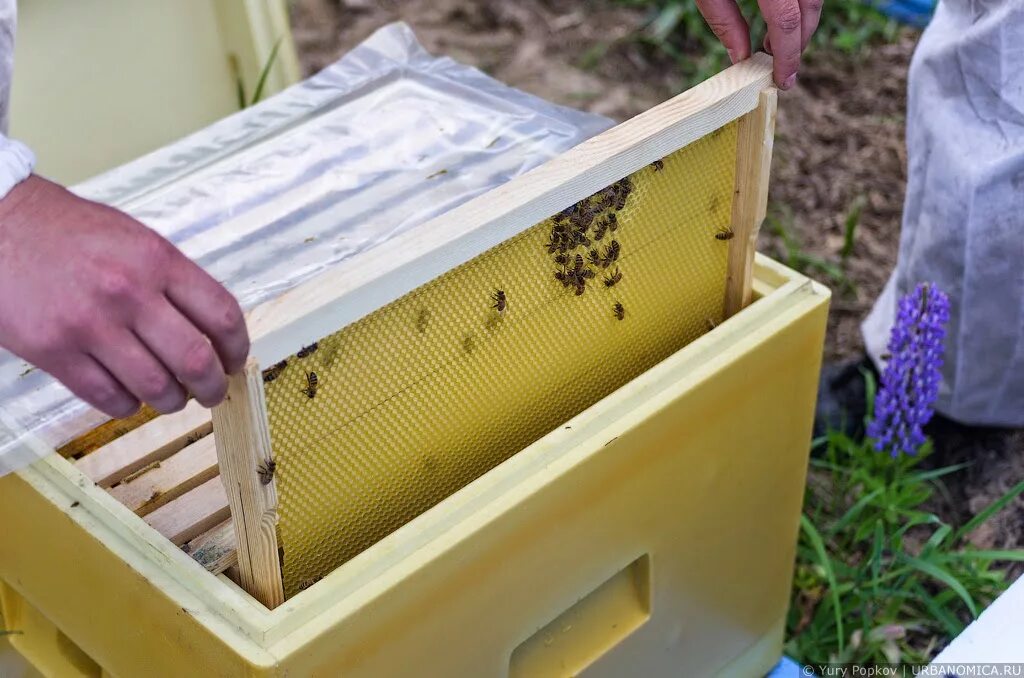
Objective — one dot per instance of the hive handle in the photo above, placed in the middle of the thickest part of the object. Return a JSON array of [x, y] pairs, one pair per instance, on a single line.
[[590, 627]]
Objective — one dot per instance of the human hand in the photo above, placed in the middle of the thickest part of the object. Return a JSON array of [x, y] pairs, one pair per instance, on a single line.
[[109, 307], [791, 23]]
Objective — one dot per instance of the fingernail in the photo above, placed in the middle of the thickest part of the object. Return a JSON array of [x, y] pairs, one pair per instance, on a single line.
[[789, 82], [732, 56]]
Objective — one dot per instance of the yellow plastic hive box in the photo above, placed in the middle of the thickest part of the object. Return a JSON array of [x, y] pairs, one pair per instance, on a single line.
[[101, 82], [651, 533]]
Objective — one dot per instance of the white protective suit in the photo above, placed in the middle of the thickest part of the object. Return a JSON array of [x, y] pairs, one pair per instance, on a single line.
[[963, 219], [16, 160]]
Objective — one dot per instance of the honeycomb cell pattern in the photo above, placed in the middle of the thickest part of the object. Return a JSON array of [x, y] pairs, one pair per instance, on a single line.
[[378, 422]]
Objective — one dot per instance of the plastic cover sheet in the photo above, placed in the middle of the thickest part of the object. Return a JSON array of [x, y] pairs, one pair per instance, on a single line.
[[379, 142]]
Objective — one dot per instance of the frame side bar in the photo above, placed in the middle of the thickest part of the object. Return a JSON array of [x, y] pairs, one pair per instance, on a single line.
[[242, 436], [377, 277], [754, 143]]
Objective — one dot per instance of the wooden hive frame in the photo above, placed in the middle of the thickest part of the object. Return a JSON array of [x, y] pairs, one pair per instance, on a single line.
[[208, 486]]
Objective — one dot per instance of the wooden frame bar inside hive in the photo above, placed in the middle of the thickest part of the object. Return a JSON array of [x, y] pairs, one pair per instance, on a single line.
[[189, 504]]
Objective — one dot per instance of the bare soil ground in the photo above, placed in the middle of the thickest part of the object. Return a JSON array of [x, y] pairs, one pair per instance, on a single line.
[[840, 142]]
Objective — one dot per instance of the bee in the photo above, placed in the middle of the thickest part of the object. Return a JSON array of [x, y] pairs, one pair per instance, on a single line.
[[611, 254], [422, 318], [312, 382], [658, 165], [606, 198], [613, 222], [306, 351], [561, 239], [306, 583], [615, 277], [562, 258], [586, 274], [623, 188], [581, 285], [569, 278], [594, 257], [560, 231], [600, 228], [724, 234], [556, 243], [578, 264], [266, 471], [500, 301], [579, 238], [564, 215], [273, 372], [581, 214], [620, 311], [620, 200], [584, 218]]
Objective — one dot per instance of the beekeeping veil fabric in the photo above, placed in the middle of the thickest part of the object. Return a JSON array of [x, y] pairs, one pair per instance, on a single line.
[[16, 160], [963, 221], [8, 21]]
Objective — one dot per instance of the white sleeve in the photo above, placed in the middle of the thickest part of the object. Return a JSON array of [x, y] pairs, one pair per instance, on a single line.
[[16, 159], [16, 163]]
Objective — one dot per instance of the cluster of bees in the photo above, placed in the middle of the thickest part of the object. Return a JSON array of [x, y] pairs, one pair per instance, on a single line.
[[583, 240], [312, 381]]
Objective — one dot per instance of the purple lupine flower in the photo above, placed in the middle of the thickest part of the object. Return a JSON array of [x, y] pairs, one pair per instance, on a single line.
[[910, 382]]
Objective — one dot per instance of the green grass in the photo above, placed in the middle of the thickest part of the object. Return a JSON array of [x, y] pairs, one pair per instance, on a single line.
[[850, 226], [261, 81], [791, 251], [880, 577], [677, 29]]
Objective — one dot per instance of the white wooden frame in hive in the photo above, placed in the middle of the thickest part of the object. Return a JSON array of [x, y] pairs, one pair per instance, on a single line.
[[189, 505]]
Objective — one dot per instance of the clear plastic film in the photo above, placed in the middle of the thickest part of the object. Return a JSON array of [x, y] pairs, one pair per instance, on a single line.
[[379, 142]]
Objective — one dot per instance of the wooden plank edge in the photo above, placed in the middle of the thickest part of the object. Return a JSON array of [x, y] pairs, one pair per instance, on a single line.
[[105, 433], [215, 549], [192, 513], [754, 145], [181, 472], [152, 442], [242, 437], [377, 277]]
